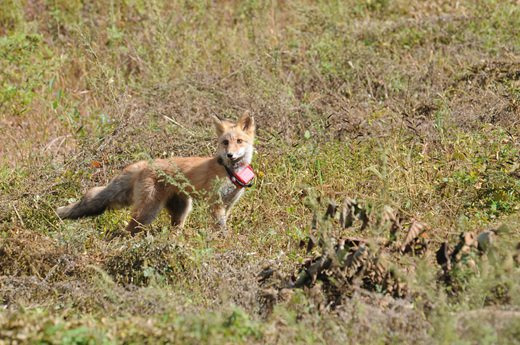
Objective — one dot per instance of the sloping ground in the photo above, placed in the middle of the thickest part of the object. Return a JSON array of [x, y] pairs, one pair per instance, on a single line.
[[405, 106], [151, 288]]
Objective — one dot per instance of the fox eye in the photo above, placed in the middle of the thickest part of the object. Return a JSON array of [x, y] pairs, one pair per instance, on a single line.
[[225, 142], [239, 141]]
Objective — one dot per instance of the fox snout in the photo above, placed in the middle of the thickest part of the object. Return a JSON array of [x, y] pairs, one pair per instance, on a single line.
[[234, 155]]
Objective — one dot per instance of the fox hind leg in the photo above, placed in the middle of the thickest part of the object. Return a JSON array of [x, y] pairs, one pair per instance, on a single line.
[[179, 207], [147, 205], [143, 216]]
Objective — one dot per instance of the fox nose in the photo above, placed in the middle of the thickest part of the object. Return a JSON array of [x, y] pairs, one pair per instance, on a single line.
[[230, 155]]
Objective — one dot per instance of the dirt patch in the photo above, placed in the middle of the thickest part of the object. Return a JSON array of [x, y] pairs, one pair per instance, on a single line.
[[488, 93], [27, 253]]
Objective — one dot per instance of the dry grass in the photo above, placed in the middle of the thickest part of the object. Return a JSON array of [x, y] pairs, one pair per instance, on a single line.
[[413, 105]]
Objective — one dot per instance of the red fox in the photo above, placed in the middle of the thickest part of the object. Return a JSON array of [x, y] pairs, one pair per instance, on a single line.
[[149, 186]]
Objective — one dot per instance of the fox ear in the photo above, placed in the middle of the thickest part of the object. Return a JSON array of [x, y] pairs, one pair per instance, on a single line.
[[219, 126], [247, 123]]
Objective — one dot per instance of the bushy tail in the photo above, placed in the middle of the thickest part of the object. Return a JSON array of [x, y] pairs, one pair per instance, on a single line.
[[117, 194]]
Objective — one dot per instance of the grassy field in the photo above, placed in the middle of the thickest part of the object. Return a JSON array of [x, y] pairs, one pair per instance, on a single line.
[[408, 106]]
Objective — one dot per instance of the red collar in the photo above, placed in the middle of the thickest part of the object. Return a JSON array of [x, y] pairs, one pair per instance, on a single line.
[[242, 178]]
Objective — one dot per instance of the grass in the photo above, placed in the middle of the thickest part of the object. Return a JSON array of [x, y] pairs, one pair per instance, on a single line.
[[407, 104]]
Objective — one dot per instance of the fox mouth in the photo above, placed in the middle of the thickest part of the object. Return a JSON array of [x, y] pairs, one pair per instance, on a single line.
[[236, 160]]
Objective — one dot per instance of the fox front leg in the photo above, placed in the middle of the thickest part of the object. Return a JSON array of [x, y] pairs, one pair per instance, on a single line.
[[220, 216], [227, 197], [231, 199]]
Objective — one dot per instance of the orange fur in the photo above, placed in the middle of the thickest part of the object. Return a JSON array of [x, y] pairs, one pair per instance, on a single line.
[[172, 183]]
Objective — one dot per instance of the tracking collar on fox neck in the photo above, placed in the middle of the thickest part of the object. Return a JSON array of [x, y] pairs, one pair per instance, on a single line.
[[238, 178]]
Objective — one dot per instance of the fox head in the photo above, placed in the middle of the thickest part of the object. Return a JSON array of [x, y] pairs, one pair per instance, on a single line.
[[235, 140]]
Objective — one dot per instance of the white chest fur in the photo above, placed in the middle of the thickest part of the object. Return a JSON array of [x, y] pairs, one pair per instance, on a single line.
[[229, 193]]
